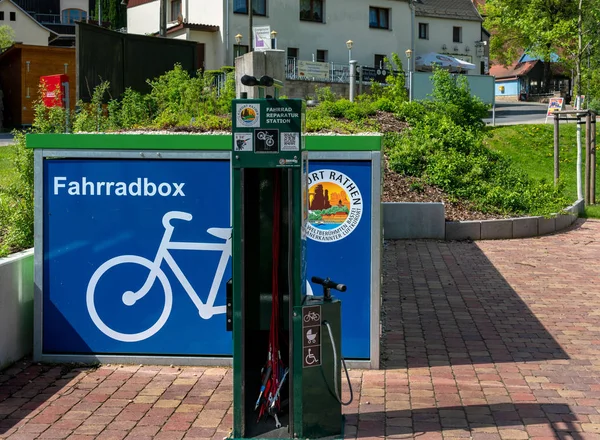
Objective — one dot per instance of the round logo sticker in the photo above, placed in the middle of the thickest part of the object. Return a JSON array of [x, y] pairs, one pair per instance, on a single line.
[[335, 206], [247, 115]]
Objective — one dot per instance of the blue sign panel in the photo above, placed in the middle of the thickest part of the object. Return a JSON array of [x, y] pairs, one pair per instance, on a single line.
[[339, 243], [136, 256]]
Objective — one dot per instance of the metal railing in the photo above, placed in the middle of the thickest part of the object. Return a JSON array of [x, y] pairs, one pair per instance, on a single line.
[[47, 18], [339, 73]]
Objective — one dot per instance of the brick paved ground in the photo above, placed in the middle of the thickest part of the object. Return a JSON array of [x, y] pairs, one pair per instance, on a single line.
[[487, 340]]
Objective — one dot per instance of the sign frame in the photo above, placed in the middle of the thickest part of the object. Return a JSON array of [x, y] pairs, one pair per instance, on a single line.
[[60, 148]]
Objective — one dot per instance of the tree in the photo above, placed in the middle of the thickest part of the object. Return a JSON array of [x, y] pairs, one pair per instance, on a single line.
[[112, 11], [7, 36], [539, 27]]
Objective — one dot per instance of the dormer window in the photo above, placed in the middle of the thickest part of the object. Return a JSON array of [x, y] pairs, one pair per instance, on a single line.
[[70, 16]]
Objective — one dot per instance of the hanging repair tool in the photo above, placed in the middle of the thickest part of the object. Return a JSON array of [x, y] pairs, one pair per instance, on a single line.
[[275, 372]]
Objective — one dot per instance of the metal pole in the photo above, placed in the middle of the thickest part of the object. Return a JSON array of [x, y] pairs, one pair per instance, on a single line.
[[588, 145], [67, 100], [352, 79], [99, 12], [556, 150], [579, 184], [163, 18], [593, 162], [250, 19], [360, 83]]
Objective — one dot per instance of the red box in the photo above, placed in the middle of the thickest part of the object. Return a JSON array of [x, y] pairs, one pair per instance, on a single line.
[[54, 91]]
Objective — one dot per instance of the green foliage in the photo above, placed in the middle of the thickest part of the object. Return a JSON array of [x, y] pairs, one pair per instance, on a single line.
[[91, 117], [180, 99], [113, 11], [7, 36], [16, 202], [319, 213], [132, 111], [444, 146], [453, 92], [539, 26], [324, 94], [530, 149]]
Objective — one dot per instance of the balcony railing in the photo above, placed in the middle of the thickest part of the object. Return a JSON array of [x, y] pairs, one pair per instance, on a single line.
[[335, 73], [47, 18]]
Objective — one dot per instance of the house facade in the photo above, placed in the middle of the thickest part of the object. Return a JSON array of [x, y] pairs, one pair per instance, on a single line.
[[55, 16], [315, 30], [27, 30]]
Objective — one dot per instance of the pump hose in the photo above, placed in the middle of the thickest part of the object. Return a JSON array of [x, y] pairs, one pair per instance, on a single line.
[[335, 370]]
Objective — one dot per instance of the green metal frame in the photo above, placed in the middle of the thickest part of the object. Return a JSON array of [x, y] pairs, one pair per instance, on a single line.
[[169, 142]]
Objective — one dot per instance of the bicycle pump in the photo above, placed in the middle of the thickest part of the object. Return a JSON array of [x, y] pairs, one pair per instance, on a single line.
[[286, 345]]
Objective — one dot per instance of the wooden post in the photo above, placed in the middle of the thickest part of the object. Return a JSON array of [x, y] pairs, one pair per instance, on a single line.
[[556, 149], [588, 141], [593, 162]]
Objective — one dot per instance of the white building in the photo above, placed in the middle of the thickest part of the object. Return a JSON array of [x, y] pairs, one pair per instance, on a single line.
[[315, 29], [26, 29]]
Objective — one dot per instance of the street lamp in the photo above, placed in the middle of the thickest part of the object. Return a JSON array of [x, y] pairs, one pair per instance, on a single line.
[[238, 40], [273, 39], [408, 57], [349, 44]]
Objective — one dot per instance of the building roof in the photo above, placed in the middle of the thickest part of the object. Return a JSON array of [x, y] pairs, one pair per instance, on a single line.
[[456, 9], [18, 47], [191, 26], [513, 71], [26, 14], [133, 3]]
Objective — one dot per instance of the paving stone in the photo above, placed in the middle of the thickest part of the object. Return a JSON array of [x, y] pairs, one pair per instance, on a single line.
[[487, 340]]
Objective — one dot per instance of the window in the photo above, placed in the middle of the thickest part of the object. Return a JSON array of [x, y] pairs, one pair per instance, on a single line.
[[175, 10], [379, 18], [321, 56], [70, 16], [311, 10], [379, 62], [424, 31], [13, 16], [1, 15], [457, 34], [292, 52], [240, 49], [259, 7]]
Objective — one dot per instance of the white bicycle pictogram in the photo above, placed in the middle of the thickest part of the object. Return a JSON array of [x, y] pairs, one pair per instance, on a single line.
[[205, 310], [264, 136], [311, 316]]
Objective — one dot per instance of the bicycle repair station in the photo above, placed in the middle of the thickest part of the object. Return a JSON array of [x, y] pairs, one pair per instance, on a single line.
[[216, 249]]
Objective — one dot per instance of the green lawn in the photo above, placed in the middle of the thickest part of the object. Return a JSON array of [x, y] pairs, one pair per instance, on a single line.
[[532, 149], [7, 173]]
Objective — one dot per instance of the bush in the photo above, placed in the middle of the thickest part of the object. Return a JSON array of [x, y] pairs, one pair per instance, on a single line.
[[16, 202], [444, 146]]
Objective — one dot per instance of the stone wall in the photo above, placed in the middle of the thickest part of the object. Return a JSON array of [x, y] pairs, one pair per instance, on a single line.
[[303, 89]]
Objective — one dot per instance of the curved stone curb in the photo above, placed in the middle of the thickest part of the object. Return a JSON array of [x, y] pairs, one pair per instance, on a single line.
[[521, 227], [405, 220]]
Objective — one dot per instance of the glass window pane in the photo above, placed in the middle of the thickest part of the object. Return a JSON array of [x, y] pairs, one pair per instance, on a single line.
[[259, 7], [373, 17], [240, 6], [383, 18], [318, 10]]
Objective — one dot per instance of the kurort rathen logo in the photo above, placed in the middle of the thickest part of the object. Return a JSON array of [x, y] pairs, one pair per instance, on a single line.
[[335, 206], [247, 115]]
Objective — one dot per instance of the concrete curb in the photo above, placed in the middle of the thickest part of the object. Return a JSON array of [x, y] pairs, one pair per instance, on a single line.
[[521, 227], [425, 220]]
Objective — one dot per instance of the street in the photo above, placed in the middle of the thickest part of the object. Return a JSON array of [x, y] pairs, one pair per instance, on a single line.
[[6, 139], [512, 113]]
